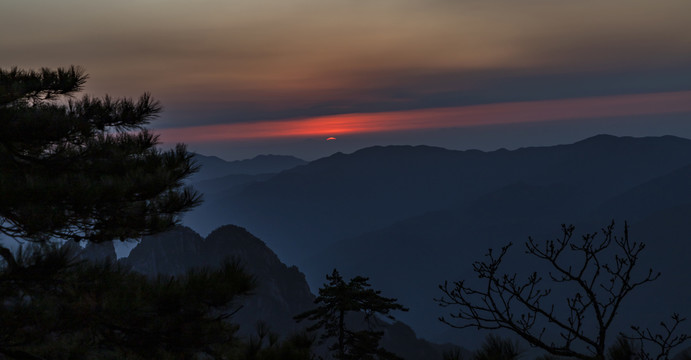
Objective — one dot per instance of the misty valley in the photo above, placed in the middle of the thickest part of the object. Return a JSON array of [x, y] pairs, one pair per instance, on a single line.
[[411, 218], [410, 252]]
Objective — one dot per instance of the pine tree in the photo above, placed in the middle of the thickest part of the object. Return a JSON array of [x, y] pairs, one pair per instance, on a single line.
[[83, 169], [88, 170], [54, 307], [338, 299]]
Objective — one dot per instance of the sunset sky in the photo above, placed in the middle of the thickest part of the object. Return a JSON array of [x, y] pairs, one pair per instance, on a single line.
[[241, 78]]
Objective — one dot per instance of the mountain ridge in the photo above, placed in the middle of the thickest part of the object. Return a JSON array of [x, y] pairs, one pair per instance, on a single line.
[[281, 293], [214, 167], [411, 217], [403, 181]]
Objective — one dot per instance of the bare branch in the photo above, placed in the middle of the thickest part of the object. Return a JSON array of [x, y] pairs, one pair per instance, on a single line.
[[600, 271], [664, 342]]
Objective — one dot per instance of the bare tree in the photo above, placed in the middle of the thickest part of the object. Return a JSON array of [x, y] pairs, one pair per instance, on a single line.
[[599, 273], [664, 341]]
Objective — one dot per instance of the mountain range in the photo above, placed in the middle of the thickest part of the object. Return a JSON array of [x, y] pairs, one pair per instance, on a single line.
[[213, 167], [281, 291], [411, 217]]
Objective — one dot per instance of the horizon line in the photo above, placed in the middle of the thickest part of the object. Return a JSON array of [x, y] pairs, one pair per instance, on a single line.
[[436, 118]]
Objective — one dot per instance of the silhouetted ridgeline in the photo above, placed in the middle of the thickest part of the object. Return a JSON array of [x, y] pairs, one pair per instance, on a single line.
[[281, 292], [214, 167], [412, 217]]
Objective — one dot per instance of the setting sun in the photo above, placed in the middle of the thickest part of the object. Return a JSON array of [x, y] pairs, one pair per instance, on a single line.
[[439, 118]]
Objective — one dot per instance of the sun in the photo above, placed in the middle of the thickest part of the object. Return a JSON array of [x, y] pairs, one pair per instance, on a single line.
[[330, 138]]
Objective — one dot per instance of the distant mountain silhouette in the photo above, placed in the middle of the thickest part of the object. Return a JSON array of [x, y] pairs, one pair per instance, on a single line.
[[342, 196], [215, 167], [411, 217]]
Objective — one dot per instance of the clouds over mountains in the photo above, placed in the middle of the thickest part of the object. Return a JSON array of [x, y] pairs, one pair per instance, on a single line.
[[244, 61]]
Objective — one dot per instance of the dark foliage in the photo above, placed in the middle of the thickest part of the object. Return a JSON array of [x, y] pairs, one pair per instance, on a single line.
[[497, 348], [265, 345], [83, 169], [57, 308], [623, 349], [88, 170], [337, 300]]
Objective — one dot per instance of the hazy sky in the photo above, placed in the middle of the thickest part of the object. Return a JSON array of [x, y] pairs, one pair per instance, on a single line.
[[238, 78]]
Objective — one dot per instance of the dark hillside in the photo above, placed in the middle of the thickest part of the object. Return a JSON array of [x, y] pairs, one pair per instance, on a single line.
[[281, 292], [412, 217], [309, 207], [214, 167]]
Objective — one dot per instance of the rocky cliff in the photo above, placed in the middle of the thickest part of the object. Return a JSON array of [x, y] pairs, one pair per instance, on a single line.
[[281, 291]]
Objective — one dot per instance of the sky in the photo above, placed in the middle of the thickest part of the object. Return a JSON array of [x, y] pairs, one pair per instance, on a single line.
[[241, 78]]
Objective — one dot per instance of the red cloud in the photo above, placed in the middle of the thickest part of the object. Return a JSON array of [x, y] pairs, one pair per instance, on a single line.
[[499, 113]]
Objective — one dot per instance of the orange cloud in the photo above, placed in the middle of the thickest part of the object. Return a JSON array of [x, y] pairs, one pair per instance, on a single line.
[[488, 114]]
